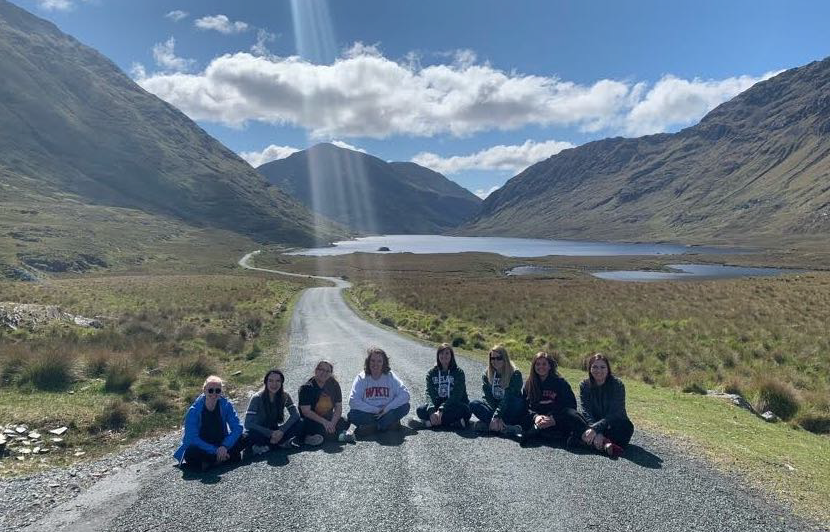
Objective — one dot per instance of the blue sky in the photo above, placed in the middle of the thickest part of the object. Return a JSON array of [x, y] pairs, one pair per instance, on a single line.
[[477, 90]]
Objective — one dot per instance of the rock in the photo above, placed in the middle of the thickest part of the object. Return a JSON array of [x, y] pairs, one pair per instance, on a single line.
[[770, 417], [59, 431], [34, 435], [87, 322], [733, 398], [236, 373], [36, 450], [24, 450], [383, 248], [79, 453], [21, 429], [57, 440]]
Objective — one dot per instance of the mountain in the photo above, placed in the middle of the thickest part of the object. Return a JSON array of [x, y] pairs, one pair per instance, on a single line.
[[77, 131], [370, 195], [755, 169]]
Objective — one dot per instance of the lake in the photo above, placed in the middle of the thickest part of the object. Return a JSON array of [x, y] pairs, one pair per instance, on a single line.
[[509, 247], [696, 272]]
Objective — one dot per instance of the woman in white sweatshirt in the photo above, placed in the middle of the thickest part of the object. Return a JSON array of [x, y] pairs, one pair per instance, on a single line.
[[379, 400]]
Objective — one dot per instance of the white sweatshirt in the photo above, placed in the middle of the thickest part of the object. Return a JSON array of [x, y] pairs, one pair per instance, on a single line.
[[372, 396]]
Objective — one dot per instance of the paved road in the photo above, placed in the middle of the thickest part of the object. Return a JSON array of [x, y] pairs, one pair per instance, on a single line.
[[427, 480]]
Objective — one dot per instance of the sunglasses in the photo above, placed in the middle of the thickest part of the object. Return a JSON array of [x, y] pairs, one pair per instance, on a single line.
[[498, 358], [214, 390]]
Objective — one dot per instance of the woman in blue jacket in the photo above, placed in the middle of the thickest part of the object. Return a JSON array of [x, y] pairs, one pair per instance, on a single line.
[[212, 431]]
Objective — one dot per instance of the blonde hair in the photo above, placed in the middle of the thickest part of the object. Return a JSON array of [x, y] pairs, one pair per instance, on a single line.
[[508, 368], [213, 378]]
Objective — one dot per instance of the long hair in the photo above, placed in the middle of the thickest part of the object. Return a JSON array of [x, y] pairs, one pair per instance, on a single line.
[[452, 365], [331, 367], [593, 358], [279, 400], [376, 351], [533, 384], [508, 368]]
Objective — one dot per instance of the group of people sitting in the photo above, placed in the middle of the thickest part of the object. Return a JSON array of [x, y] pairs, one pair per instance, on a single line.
[[542, 406]]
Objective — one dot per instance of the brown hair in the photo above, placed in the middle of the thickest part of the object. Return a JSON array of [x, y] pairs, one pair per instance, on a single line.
[[593, 358], [533, 384], [279, 400], [448, 347], [376, 351], [331, 367], [508, 370]]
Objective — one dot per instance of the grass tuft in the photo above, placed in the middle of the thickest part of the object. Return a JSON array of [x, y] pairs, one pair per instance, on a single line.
[[778, 397], [49, 371], [120, 376]]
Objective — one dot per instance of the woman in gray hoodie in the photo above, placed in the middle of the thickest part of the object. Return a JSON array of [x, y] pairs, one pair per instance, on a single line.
[[265, 424]]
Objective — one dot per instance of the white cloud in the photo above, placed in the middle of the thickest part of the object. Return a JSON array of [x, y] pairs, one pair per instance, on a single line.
[[176, 15], [220, 23], [341, 144], [165, 55], [512, 158], [674, 102], [137, 71], [262, 38], [366, 94], [271, 153], [482, 193], [55, 5]]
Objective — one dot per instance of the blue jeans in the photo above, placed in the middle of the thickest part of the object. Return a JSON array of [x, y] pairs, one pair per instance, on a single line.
[[513, 413], [358, 417]]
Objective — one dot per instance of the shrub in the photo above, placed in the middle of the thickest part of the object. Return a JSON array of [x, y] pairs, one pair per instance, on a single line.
[[694, 387], [196, 366], [254, 352], [95, 363], [13, 364], [458, 341], [218, 340], [115, 417], [777, 397], [146, 389], [817, 422], [734, 386], [120, 375], [389, 322], [50, 370]]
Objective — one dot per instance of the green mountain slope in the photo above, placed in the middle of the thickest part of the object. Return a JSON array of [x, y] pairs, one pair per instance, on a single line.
[[755, 170], [368, 194], [76, 128]]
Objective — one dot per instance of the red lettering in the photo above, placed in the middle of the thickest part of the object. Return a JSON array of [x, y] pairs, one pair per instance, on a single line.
[[376, 391]]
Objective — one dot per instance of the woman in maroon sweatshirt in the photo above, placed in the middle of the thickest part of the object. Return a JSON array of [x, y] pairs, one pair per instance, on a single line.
[[550, 402]]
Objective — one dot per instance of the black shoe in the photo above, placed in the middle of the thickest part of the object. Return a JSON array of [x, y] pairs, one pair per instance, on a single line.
[[528, 436]]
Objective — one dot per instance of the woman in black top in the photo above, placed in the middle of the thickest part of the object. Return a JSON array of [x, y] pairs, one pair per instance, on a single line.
[[550, 402], [265, 423], [603, 405]]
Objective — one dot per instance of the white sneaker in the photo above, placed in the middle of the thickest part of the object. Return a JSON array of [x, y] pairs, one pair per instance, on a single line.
[[260, 449], [314, 440], [345, 437]]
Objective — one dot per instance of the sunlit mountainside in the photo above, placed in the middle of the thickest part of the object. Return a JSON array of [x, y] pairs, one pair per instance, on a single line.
[[368, 194], [85, 151], [755, 169]]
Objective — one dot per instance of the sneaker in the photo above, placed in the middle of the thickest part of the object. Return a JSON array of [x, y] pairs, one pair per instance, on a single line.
[[418, 423], [260, 449], [314, 440], [613, 450], [346, 437], [480, 426], [512, 430], [287, 443], [361, 431]]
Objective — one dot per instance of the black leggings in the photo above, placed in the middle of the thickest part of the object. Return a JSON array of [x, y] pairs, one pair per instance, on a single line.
[[312, 427], [452, 413], [195, 457], [620, 432], [568, 422]]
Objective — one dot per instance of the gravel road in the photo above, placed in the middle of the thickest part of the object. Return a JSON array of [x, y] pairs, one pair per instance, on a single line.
[[415, 481]]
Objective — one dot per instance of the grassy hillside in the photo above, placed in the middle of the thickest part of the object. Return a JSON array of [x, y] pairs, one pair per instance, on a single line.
[[754, 170], [370, 195]]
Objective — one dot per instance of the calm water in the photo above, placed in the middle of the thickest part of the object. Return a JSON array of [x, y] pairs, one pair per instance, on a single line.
[[530, 270], [509, 247], [690, 272]]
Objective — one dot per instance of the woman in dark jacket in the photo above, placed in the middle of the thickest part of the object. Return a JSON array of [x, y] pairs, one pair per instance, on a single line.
[[265, 423], [603, 405], [502, 408], [446, 394], [550, 402]]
